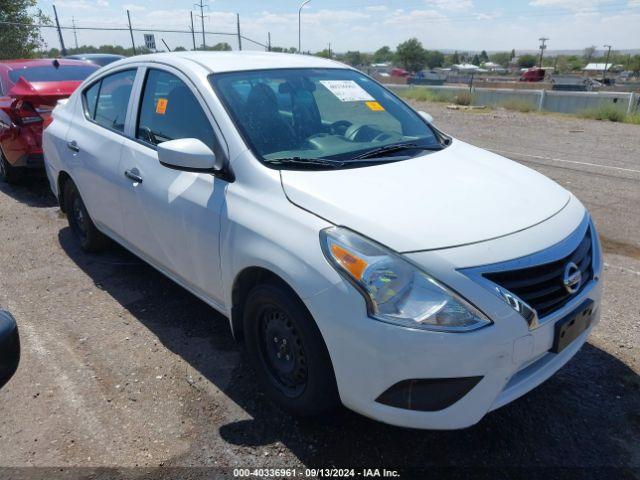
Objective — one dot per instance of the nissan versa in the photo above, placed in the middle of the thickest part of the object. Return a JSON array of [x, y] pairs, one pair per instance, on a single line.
[[361, 255]]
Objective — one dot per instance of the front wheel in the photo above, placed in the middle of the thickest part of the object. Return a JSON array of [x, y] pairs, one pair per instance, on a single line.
[[288, 352], [90, 238]]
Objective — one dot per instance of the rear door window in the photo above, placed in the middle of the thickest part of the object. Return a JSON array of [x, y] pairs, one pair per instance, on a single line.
[[106, 101]]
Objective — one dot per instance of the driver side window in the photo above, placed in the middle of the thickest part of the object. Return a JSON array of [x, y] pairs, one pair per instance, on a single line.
[[170, 111]]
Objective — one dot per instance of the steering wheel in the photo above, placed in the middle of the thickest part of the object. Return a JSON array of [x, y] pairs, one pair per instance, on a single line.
[[362, 132], [340, 127]]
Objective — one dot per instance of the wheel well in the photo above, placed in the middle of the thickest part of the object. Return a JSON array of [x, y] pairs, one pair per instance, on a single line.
[[63, 177], [244, 282]]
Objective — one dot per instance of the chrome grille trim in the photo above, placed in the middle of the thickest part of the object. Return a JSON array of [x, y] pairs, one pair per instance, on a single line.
[[583, 243]]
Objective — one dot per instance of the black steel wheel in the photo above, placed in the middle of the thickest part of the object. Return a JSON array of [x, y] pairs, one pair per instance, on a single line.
[[90, 238], [282, 351], [288, 352]]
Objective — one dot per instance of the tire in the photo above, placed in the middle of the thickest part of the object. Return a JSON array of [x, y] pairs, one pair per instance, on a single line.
[[8, 173], [288, 352], [90, 238]]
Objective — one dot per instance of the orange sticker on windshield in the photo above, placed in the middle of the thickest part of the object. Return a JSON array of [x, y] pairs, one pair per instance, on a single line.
[[375, 106], [161, 106]]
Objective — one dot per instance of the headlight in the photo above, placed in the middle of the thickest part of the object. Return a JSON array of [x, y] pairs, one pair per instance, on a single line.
[[395, 290]]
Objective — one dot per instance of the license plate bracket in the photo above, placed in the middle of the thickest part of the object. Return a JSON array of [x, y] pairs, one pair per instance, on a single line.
[[570, 327]]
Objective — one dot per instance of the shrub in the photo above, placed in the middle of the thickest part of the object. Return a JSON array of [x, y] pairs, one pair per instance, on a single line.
[[425, 95], [605, 112], [633, 118], [463, 98]]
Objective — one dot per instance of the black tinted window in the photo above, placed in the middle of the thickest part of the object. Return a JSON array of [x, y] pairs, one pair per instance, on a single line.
[[113, 98], [170, 111], [49, 73], [90, 99]]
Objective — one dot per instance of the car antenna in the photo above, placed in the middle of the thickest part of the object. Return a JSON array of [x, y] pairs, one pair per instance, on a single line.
[[56, 63]]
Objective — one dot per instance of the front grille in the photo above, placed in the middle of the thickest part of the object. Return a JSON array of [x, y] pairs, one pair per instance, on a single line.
[[542, 286]]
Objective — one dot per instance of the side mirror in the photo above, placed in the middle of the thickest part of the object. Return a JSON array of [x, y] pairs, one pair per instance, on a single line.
[[426, 116], [9, 347], [188, 154]]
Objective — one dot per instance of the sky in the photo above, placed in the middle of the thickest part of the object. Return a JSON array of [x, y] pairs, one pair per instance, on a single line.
[[365, 25]]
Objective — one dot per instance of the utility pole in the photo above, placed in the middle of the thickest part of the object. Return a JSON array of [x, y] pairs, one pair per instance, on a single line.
[[133, 43], [202, 15], [269, 43], [543, 47], [239, 36], [75, 34], [330, 56], [300, 25], [193, 33], [606, 62], [63, 50]]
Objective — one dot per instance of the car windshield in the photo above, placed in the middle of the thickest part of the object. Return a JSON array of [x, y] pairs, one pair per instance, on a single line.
[[309, 114], [48, 73]]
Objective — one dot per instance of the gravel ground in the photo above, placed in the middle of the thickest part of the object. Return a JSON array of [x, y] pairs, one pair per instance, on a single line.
[[122, 368]]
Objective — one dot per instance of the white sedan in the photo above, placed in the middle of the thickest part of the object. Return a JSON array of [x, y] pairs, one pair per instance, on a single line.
[[361, 255]]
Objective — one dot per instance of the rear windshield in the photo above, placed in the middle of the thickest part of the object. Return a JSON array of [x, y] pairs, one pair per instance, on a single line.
[[48, 73]]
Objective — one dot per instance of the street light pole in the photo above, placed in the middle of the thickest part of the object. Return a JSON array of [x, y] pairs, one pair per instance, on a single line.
[[606, 62], [300, 25]]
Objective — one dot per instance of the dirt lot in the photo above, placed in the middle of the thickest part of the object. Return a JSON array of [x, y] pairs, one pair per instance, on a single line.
[[121, 367]]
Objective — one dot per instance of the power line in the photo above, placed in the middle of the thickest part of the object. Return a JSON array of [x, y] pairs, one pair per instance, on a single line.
[[112, 29]]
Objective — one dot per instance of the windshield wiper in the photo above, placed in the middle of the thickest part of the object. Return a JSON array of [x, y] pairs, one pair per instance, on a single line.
[[377, 152], [306, 162]]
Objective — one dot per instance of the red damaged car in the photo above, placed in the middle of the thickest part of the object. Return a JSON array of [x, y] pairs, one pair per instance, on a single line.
[[29, 89]]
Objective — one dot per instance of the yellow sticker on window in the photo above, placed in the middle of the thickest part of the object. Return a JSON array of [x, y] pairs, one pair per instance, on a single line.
[[375, 106], [161, 106]]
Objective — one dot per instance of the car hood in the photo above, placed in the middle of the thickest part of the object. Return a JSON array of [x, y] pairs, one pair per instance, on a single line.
[[42, 93], [457, 196]]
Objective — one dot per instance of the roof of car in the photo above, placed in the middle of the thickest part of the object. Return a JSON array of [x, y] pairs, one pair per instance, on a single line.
[[235, 61], [94, 55]]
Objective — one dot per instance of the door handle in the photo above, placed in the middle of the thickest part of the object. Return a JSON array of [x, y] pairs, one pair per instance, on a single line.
[[133, 174], [73, 146]]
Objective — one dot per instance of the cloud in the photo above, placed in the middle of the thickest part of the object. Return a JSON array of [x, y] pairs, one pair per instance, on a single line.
[[134, 8], [451, 5], [575, 5], [384, 8]]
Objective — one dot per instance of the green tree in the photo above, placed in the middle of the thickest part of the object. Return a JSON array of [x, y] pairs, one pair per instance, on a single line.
[[412, 55], [326, 53], [589, 52], [501, 58], [483, 56], [354, 58], [384, 54], [434, 58], [220, 47], [20, 41], [634, 64], [179, 49], [513, 54], [455, 58], [527, 61], [476, 60]]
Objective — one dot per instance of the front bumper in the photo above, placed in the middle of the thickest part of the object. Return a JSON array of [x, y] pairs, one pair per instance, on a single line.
[[370, 356]]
